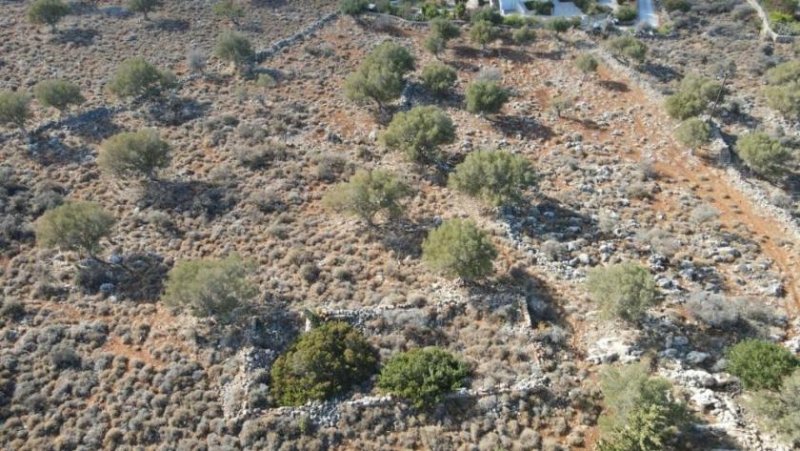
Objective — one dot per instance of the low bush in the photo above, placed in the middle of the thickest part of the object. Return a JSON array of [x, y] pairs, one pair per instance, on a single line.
[[144, 6], [486, 97], [379, 78], [483, 32], [497, 177], [625, 13], [624, 290], [230, 10], [14, 108], [586, 63], [59, 94], [489, 14], [457, 248], [368, 193], [677, 5], [352, 7], [133, 154], [48, 12], [423, 376], [419, 132], [438, 78], [641, 411], [760, 364], [628, 48], [210, 287], [693, 133], [693, 97], [324, 362], [763, 154], [541, 7], [780, 412], [75, 226], [234, 48], [524, 35], [136, 77]]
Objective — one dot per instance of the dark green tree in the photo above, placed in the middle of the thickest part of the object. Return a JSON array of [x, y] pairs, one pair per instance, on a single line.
[[423, 376], [419, 132], [48, 12], [760, 364], [458, 248], [486, 97]]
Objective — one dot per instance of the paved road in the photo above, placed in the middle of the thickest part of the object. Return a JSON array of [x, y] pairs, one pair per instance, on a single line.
[[647, 12]]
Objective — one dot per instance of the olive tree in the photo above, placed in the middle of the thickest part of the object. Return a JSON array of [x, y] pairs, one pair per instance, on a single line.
[[783, 90], [693, 133], [234, 48], [379, 78], [368, 193], [423, 376], [496, 177], [586, 63], [486, 97], [483, 32], [419, 132], [760, 364], [763, 154], [136, 77], [210, 287], [780, 411], [458, 248], [74, 226], [230, 10], [47, 12], [131, 154], [624, 290], [58, 94], [14, 109], [693, 97], [438, 78], [144, 6], [628, 48]]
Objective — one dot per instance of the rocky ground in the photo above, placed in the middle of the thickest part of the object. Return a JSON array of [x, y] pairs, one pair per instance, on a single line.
[[84, 370]]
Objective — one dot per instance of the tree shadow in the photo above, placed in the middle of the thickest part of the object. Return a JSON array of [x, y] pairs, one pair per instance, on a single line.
[[55, 151], [661, 72], [194, 197], [553, 55], [403, 236], [523, 127], [136, 276], [169, 25], [585, 123], [558, 221], [514, 54], [466, 52], [89, 124], [81, 37], [611, 85], [116, 11], [177, 110], [268, 3]]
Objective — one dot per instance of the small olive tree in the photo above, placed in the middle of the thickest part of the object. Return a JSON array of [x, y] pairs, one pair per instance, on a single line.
[[210, 287], [419, 132], [624, 290], [379, 78], [628, 48], [783, 92], [694, 96], [230, 10], [136, 77], [58, 94], [486, 97], [14, 109], [47, 12], [483, 32], [497, 177], [133, 154], [760, 364], [438, 78], [458, 248], [763, 154], [144, 6], [524, 35], [780, 411], [368, 193], [75, 226], [586, 63], [234, 48], [693, 133]]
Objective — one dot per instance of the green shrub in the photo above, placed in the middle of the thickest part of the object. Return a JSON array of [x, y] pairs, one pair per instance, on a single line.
[[457, 248], [419, 132], [628, 48], [625, 13], [74, 226], [763, 154], [677, 5], [423, 376], [624, 290], [586, 63], [59, 94], [524, 35], [379, 78], [483, 32], [693, 133], [783, 6], [497, 177], [444, 28], [559, 25], [229, 9], [234, 48], [144, 6], [131, 154], [136, 77], [488, 14], [324, 362], [47, 12], [352, 7], [209, 287], [14, 108], [486, 97], [438, 78], [541, 7], [434, 44], [783, 92], [641, 412], [780, 412], [693, 97], [784, 73], [367, 193], [760, 364]]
